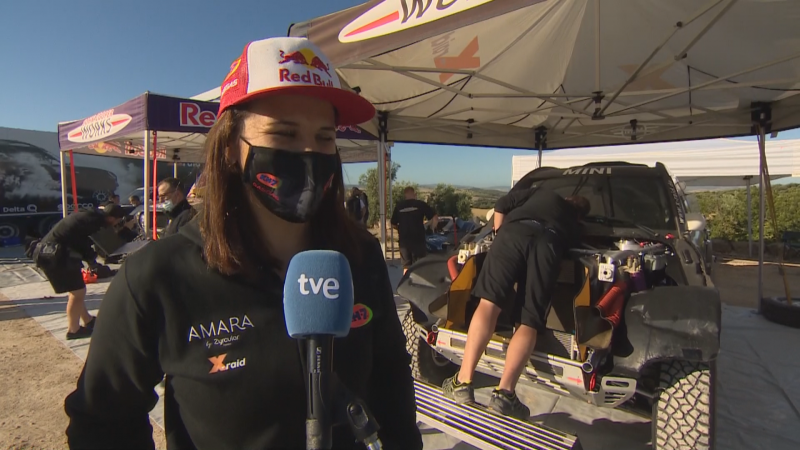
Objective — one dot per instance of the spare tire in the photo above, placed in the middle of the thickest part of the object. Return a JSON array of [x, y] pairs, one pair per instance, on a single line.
[[778, 310]]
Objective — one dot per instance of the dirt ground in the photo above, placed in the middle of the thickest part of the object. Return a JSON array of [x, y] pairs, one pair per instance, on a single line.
[[39, 372]]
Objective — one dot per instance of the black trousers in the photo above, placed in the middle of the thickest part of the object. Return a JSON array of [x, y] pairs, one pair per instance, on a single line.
[[529, 255]]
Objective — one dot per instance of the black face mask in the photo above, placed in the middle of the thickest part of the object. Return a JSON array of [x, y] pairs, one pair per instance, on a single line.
[[290, 184]]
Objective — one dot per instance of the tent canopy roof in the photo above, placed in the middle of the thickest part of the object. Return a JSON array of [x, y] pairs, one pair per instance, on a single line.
[[711, 163], [589, 73], [181, 126]]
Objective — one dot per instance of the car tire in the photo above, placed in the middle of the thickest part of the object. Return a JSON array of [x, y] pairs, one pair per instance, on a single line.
[[778, 310], [683, 408], [9, 230], [426, 365]]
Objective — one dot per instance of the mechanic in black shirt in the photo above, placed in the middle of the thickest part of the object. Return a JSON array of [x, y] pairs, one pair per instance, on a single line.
[[180, 212], [205, 306], [60, 255], [408, 218], [538, 227]]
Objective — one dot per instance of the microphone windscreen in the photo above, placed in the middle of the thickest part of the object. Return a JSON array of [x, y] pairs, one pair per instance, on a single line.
[[318, 294]]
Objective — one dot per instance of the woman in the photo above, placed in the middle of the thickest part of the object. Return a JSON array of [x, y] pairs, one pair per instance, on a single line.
[[204, 307]]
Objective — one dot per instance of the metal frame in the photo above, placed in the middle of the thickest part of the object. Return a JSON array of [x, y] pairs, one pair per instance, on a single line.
[[612, 107]]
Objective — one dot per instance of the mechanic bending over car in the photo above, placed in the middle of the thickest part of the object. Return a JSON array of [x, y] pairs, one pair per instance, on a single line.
[[205, 306], [408, 218], [60, 254], [539, 226], [180, 212]]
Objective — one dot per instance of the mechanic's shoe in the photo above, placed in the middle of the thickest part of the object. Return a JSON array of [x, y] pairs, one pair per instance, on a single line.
[[82, 333], [458, 392], [508, 404], [90, 325]]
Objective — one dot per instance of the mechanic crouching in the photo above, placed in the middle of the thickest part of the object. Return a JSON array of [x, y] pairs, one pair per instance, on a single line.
[[539, 226], [60, 254]]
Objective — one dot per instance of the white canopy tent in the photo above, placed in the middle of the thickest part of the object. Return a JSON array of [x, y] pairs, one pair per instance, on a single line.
[[695, 164], [551, 74]]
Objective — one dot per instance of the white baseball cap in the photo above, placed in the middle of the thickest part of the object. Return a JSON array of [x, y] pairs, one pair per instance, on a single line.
[[291, 65]]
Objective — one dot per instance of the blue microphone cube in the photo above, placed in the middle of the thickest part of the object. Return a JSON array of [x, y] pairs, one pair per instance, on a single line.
[[318, 294]]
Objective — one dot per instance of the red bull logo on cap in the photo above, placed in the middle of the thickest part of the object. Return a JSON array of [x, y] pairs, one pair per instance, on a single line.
[[304, 57], [269, 180]]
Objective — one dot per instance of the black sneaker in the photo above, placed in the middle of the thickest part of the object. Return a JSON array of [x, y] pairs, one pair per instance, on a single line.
[[82, 333], [458, 392], [508, 404], [90, 325]]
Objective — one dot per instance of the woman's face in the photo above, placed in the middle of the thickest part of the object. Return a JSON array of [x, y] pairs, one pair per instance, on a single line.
[[288, 122]]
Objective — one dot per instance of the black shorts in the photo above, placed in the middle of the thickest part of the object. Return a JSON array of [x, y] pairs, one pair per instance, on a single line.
[[526, 255], [411, 253], [65, 276]]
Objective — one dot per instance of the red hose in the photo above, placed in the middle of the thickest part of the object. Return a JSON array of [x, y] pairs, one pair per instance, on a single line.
[[452, 266], [610, 305]]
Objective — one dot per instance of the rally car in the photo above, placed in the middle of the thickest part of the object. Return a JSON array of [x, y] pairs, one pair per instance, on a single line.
[[635, 318]]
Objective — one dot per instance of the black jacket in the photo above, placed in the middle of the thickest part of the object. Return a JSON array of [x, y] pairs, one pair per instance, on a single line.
[[74, 231], [166, 312], [543, 205], [179, 216]]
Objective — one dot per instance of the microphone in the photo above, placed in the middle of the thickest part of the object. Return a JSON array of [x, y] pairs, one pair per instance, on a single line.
[[318, 306]]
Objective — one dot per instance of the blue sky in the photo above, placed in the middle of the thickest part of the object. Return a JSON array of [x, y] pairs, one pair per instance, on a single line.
[[68, 60]]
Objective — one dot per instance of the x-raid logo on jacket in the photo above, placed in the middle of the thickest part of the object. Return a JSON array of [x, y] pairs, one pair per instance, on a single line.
[[218, 363], [219, 328]]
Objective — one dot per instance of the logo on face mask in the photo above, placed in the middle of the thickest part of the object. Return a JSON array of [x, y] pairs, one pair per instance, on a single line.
[[269, 180]]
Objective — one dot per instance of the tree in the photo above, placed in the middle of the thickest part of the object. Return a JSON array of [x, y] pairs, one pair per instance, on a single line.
[[446, 201], [369, 184], [726, 212]]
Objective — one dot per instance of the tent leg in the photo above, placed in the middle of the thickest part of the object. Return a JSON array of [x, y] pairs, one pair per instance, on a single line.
[[539, 161], [155, 180], [74, 182], [383, 121], [146, 165], [761, 213], [391, 190], [749, 219], [64, 204], [381, 197]]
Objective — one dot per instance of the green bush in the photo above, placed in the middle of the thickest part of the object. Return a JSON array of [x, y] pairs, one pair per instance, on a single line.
[[726, 212]]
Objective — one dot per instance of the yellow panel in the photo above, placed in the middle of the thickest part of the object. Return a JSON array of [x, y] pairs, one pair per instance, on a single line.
[[460, 293], [584, 298]]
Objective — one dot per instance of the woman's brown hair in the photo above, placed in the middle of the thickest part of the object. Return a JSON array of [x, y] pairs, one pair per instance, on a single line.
[[225, 211]]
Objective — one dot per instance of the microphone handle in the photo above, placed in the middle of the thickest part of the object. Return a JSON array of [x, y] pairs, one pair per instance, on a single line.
[[319, 357]]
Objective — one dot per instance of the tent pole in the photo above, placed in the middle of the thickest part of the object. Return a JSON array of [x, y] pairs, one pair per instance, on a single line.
[[146, 165], [391, 191], [749, 218], [761, 212], [64, 204], [382, 178], [155, 180], [175, 170], [74, 182]]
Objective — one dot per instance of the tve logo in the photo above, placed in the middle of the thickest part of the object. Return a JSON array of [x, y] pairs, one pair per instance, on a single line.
[[318, 294], [329, 286]]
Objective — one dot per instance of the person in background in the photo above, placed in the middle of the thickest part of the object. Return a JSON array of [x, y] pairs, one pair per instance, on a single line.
[[365, 207], [408, 218], [115, 199], [539, 226], [180, 212], [134, 200], [60, 255], [205, 306], [354, 205]]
